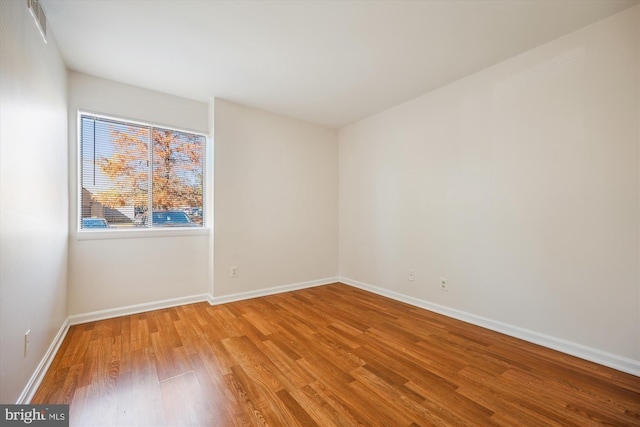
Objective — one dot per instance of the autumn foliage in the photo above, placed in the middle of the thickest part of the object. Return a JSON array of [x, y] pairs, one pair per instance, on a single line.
[[176, 167]]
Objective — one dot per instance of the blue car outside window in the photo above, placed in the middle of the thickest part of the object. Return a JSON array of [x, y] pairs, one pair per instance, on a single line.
[[170, 218], [94, 223]]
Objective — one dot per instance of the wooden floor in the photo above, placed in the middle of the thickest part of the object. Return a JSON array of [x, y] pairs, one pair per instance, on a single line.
[[327, 356]]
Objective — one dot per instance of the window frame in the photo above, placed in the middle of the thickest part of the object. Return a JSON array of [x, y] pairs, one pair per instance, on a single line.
[[143, 232]]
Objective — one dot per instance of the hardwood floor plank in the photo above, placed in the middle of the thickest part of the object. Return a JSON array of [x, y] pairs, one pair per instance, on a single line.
[[566, 397], [301, 416], [170, 361], [259, 400], [260, 322], [254, 362], [184, 402], [407, 405], [248, 329], [389, 364], [331, 355], [222, 405], [454, 403], [139, 400], [372, 402], [331, 413], [513, 398], [347, 408], [295, 375], [223, 322], [219, 355], [305, 312], [94, 404]]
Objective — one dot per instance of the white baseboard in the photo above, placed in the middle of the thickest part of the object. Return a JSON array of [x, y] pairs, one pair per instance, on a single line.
[[42, 368], [611, 360], [110, 313], [77, 319], [271, 291]]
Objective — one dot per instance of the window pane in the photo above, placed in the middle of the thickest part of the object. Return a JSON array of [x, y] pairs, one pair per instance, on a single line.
[[114, 173], [177, 178], [118, 187]]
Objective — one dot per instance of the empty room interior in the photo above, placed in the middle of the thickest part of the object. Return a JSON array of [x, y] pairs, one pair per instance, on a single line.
[[325, 213]]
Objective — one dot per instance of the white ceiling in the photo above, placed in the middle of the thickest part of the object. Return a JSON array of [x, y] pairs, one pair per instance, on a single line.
[[327, 62]]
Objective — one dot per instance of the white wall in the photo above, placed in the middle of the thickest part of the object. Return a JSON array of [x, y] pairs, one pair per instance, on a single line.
[[276, 204], [112, 273], [519, 184], [33, 196]]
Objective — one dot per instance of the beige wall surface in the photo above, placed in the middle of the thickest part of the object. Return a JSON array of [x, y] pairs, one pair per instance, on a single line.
[[519, 184], [112, 273], [33, 196], [276, 200]]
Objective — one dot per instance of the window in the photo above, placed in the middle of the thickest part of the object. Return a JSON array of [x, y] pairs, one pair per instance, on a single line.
[[136, 176]]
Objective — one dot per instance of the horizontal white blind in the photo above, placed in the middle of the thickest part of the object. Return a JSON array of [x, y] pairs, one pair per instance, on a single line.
[[127, 167]]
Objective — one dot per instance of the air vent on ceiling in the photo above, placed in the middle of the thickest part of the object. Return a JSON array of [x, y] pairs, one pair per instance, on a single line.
[[38, 14]]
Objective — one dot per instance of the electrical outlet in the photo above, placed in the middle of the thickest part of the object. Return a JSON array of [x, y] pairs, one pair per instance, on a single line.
[[26, 342], [233, 271], [444, 284], [411, 276]]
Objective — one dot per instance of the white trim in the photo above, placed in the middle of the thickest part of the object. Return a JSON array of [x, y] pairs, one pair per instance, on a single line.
[[270, 291], [110, 313], [42, 368], [140, 233], [591, 354]]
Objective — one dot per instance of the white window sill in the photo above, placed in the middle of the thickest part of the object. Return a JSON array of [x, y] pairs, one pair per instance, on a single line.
[[140, 233]]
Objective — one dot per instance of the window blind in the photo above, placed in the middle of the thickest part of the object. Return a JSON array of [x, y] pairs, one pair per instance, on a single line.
[[129, 171]]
